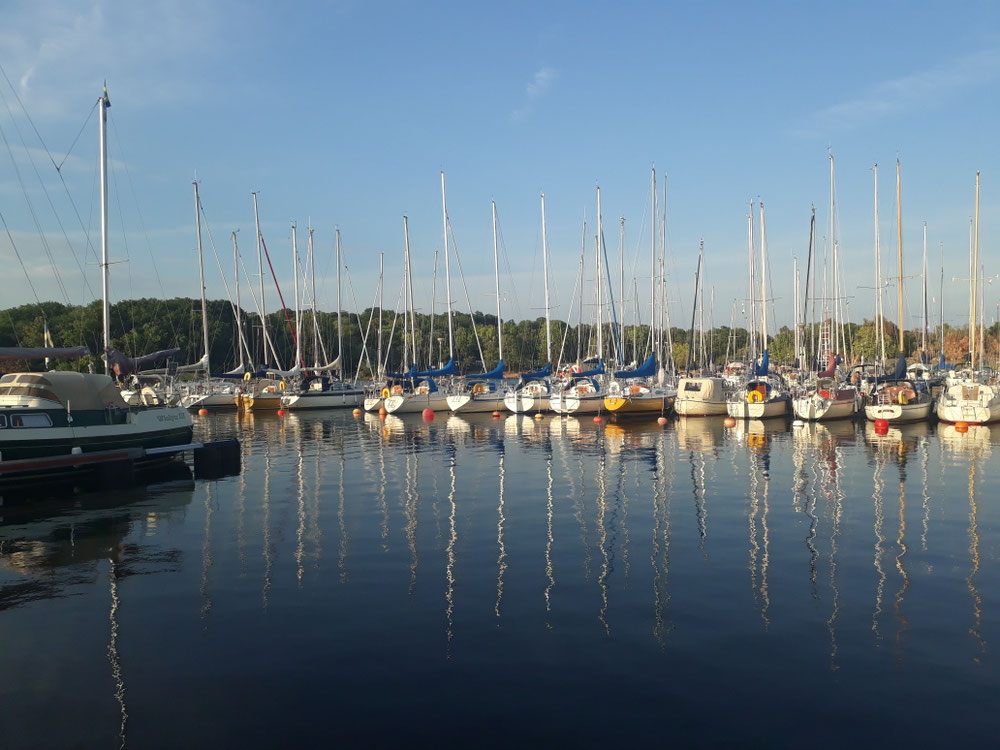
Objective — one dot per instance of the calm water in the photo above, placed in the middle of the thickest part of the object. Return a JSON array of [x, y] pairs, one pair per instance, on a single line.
[[473, 582]]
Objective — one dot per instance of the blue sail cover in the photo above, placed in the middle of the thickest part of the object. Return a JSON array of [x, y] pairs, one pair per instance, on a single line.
[[411, 373], [495, 374], [646, 370], [449, 369], [537, 374], [765, 364], [898, 374], [599, 370]]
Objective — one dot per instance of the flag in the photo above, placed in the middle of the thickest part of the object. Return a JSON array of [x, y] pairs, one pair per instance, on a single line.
[[48, 343]]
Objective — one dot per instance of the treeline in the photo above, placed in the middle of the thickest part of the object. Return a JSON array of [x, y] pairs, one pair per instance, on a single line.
[[145, 325]]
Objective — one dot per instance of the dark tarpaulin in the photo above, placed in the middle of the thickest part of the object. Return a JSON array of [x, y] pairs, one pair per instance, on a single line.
[[122, 365], [43, 352]]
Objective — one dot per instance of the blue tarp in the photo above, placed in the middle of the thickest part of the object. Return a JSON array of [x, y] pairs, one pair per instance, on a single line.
[[411, 373], [537, 374], [761, 369], [599, 370], [495, 374], [646, 370], [449, 369]]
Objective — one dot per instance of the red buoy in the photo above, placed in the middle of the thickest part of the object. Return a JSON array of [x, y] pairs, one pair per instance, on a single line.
[[729, 421], [661, 421], [428, 415], [202, 412], [357, 412], [881, 426], [598, 419], [961, 426], [282, 412]]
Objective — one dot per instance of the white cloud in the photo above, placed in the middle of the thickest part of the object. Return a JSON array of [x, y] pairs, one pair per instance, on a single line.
[[906, 94], [539, 85]]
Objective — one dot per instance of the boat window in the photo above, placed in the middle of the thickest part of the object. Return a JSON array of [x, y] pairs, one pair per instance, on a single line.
[[30, 420], [692, 385], [3, 420]]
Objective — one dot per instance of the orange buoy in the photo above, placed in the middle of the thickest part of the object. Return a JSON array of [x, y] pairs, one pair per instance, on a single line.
[[357, 412], [202, 412], [428, 415], [731, 421], [661, 421], [961, 426], [881, 426], [598, 419], [282, 412], [496, 414]]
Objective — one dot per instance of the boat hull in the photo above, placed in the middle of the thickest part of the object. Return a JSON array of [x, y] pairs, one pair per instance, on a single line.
[[917, 411], [414, 403], [334, 399], [973, 404], [768, 409], [815, 408]]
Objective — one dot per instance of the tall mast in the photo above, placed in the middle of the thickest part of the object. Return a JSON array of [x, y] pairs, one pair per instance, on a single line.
[[621, 287], [409, 292], [600, 280], [201, 270], [795, 312], [295, 278], [879, 313], [899, 250], [652, 266], [496, 270], [923, 340], [239, 312], [260, 273], [105, 103], [447, 268], [312, 277], [751, 263], [545, 273], [763, 280], [975, 278], [381, 263], [430, 339], [694, 306], [340, 305]]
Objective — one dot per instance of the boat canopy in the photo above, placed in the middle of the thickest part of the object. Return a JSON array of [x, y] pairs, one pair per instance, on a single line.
[[495, 374], [898, 374], [43, 352], [75, 390], [599, 370], [449, 369], [646, 370]]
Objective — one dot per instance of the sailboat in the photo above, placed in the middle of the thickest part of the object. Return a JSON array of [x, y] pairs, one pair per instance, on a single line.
[[699, 395], [897, 398], [414, 391], [968, 396], [63, 413], [316, 390], [531, 392], [482, 392], [764, 394]]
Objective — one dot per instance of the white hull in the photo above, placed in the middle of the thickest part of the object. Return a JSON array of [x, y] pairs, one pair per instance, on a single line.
[[209, 401], [473, 404], [743, 409], [523, 403], [814, 408], [572, 403], [916, 411], [344, 399], [415, 403], [973, 403]]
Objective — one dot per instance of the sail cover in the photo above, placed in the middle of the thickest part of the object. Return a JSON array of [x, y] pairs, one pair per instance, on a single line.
[[449, 369], [543, 372], [122, 365], [41, 352], [764, 365], [495, 374], [646, 370], [599, 370]]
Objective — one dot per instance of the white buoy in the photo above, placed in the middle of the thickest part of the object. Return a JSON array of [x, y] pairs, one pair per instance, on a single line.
[[797, 423]]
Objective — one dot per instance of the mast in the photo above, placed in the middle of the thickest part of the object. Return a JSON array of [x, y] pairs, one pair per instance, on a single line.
[[430, 339], [879, 312], [496, 270], [312, 277], [409, 288], [899, 250], [621, 286], [545, 273], [340, 305], [447, 268], [751, 252], [105, 104], [260, 273], [805, 301], [652, 267], [201, 271], [975, 279], [694, 306], [600, 280], [795, 312], [295, 279], [239, 312], [381, 262], [923, 340], [763, 280]]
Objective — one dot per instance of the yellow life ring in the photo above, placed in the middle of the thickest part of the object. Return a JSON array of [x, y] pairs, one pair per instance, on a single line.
[[281, 385], [754, 397], [246, 376], [385, 393]]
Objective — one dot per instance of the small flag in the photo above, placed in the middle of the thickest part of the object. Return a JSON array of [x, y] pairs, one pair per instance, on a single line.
[[48, 343]]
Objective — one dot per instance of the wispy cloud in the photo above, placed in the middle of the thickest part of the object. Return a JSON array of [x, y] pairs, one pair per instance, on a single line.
[[910, 93], [539, 85]]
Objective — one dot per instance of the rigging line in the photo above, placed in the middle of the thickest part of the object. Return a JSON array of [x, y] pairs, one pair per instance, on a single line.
[[34, 214], [73, 144], [468, 300], [21, 261]]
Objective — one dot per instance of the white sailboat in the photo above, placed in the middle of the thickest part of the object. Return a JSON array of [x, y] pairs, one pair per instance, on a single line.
[[968, 396]]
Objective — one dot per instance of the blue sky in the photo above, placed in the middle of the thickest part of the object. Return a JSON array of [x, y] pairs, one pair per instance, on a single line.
[[345, 113]]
